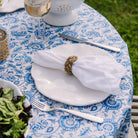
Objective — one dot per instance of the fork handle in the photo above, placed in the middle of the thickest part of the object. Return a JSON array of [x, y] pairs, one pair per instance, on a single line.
[[83, 115]]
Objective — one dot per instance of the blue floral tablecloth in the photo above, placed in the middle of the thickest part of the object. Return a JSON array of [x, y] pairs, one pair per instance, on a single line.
[[116, 110]]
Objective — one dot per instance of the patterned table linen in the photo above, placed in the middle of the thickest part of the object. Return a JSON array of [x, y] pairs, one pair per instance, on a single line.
[[116, 110]]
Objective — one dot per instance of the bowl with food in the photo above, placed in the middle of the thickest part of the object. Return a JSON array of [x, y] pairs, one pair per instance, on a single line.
[[62, 12], [15, 111]]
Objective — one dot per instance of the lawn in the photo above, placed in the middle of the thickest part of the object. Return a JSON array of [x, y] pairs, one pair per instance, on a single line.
[[123, 15]]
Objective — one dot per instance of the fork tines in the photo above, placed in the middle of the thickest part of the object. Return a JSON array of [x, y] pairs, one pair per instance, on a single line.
[[37, 103]]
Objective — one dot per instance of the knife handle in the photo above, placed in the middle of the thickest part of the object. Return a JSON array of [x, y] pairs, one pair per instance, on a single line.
[[89, 42], [104, 46]]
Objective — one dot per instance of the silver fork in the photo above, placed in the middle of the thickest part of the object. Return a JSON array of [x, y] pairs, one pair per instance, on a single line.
[[43, 107]]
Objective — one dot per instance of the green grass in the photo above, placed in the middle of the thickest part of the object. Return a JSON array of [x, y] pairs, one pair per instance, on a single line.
[[123, 15]]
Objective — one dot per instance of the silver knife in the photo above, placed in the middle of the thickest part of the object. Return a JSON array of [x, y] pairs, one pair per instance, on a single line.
[[89, 42]]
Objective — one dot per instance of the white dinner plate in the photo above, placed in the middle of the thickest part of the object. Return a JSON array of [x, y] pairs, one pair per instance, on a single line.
[[60, 86], [12, 5]]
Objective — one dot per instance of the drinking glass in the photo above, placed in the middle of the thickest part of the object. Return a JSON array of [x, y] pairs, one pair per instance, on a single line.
[[37, 9]]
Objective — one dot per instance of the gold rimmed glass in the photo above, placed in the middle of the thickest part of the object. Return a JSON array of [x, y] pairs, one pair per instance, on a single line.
[[38, 9]]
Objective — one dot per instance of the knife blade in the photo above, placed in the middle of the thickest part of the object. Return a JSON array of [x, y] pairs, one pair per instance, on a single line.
[[89, 42]]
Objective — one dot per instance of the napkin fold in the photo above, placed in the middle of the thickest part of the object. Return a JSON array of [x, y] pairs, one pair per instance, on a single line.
[[97, 72], [12, 5]]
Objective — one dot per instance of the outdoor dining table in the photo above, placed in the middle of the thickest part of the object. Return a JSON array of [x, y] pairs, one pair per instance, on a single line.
[[91, 25]]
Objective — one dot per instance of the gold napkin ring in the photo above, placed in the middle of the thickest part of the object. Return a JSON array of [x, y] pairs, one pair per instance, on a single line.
[[68, 64], [4, 48]]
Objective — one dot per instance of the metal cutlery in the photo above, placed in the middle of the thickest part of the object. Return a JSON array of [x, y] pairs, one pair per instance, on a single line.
[[89, 42], [43, 107]]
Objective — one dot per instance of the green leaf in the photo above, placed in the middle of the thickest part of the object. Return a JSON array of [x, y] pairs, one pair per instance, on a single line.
[[7, 108], [9, 104], [18, 128], [9, 114], [5, 112], [8, 93], [20, 104]]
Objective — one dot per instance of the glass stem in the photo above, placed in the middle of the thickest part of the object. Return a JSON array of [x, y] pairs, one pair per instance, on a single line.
[[39, 28], [40, 32]]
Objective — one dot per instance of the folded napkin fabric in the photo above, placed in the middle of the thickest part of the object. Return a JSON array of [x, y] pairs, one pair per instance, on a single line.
[[97, 72]]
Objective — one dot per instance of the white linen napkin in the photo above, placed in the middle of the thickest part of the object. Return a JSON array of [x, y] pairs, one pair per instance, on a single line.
[[12, 5], [96, 72]]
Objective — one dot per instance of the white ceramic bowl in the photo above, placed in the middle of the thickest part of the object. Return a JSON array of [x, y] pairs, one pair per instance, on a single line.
[[17, 92], [62, 12]]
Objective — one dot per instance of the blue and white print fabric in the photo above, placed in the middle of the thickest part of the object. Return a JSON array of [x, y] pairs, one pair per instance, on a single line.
[[116, 110]]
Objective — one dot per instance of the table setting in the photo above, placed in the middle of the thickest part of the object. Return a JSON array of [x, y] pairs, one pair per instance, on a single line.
[[73, 66]]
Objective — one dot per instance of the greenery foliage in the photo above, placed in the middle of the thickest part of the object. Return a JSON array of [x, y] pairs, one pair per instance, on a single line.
[[123, 15]]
